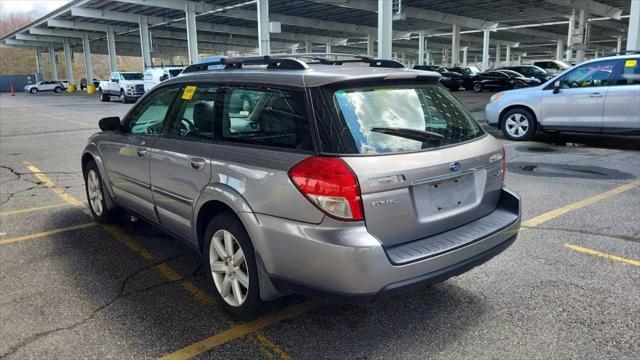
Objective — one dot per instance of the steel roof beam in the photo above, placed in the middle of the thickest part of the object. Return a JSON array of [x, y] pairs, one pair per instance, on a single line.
[[591, 6], [79, 25], [58, 32], [27, 43], [417, 13], [55, 39]]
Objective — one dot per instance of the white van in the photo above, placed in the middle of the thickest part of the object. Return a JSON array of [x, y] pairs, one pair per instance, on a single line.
[[155, 76]]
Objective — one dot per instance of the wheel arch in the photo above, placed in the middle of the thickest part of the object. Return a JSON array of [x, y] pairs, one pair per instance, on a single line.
[[91, 154], [518, 106]]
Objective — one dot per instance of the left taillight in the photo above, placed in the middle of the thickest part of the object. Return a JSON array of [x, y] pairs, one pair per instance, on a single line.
[[330, 184]]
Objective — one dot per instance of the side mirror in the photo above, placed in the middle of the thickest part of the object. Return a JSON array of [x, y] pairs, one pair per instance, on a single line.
[[556, 87], [111, 123]]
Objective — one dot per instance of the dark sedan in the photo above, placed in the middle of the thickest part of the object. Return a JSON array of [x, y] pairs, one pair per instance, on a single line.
[[451, 80], [468, 75], [502, 80], [530, 71]]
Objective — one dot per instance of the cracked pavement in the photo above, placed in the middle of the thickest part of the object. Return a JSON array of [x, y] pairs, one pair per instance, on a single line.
[[84, 294]]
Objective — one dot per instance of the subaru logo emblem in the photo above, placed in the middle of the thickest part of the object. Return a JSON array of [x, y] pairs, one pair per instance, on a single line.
[[455, 166]]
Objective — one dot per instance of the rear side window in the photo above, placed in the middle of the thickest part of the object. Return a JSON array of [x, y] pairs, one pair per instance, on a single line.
[[266, 117], [379, 120], [630, 74]]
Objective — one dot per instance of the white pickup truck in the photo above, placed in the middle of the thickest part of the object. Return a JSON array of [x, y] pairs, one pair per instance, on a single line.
[[126, 86]]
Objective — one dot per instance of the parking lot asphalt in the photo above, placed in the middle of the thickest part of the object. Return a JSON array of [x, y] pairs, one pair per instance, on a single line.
[[569, 287]]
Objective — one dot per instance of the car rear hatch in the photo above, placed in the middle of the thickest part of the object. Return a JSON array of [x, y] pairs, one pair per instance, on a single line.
[[443, 173]]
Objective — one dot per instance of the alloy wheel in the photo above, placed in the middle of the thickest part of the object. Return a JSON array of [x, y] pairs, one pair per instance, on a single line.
[[229, 268], [517, 125], [95, 193]]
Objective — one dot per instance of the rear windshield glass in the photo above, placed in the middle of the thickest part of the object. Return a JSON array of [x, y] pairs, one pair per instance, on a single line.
[[379, 120], [132, 76]]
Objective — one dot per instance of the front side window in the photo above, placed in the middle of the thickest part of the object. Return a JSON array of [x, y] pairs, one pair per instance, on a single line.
[[589, 75], [195, 115], [148, 117], [392, 119], [267, 117], [630, 74], [132, 76]]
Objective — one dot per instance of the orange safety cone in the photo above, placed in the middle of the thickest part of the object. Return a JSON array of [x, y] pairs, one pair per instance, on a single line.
[[13, 91]]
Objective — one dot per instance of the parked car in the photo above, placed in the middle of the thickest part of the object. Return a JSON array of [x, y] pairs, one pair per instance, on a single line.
[[83, 83], [395, 187], [156, 75], [530, 71], [468, 75], [55, 86], [597, 96], [451, 80], [501, 80], [65, 84], [126, 86], [552, 66]]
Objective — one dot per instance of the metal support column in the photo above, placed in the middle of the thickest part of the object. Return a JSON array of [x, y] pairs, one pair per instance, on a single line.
[[572, 24], [455, 45], [39, 72], [145, 43], [582, 25], [559, 49], [68, 59], [508, 56], [428, 57], [308, 47], [519, 59], [111, 47], [485, 51], [497, 61], [421, 42], [385, 29], [465, 53], [88, 66], [192, 32], [52, 62], [264, 39], [619, 45], [633, 35], [371, 45], [327, 47]]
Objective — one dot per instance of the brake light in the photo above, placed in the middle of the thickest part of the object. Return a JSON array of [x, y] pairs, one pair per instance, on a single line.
[[504, 163], [330, 185]]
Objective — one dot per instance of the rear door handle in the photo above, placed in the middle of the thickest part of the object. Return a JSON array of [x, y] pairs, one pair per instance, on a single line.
[[595, 95], [142, 152], [198, 163]]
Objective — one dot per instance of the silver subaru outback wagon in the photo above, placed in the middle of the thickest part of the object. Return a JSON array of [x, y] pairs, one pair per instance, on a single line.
[[308, 175]]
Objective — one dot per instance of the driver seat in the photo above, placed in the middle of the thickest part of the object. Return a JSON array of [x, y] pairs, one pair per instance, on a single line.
[[203, 118]]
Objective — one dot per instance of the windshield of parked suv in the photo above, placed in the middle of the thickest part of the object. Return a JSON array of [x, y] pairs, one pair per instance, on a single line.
[[395, 119], [175, 72], [132, 76]]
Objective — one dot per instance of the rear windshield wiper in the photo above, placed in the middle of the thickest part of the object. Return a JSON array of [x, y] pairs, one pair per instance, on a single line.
[[413, 134]]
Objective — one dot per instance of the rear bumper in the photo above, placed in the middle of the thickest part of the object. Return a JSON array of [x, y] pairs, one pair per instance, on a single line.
[[346, 263]]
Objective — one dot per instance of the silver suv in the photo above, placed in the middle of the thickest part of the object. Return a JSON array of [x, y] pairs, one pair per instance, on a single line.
[[597, 96], [334, 180]]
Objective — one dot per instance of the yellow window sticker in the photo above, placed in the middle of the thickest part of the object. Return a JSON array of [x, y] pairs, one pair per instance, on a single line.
[[188, 92], [630, 63]]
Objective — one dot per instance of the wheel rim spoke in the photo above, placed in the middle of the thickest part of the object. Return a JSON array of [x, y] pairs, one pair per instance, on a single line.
[[225, 287], [236, 291], [238, 257], [217, 243], [228, 243], [243, 279], [218, 267]]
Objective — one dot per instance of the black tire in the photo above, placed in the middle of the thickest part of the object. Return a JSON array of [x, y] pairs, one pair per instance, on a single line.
[[57, 89], [123, 97], [513, 123], [102, 96], [106, 215], [477, 87], [252, 305], [33, 90]]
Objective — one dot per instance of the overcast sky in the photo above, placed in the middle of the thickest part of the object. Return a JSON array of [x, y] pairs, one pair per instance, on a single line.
[[8, 7]]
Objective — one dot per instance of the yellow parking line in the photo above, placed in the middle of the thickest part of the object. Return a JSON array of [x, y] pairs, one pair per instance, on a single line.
[[241, 330], [46, 233], [601, 254], [37, 208], [67, 120], [163, 269], [579, 204], [287, 313]]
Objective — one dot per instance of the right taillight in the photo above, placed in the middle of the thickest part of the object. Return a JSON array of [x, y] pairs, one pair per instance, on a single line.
[[330, 185]]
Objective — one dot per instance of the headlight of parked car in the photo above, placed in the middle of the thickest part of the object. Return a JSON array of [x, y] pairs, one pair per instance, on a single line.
[[496, 97], [130, 87]]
